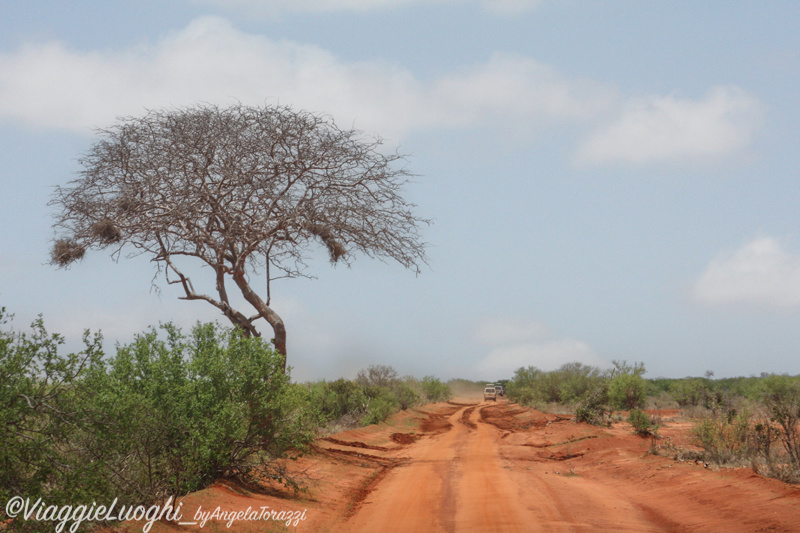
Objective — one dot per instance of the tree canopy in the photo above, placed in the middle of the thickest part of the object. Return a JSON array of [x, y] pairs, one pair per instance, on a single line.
[[245, 190]]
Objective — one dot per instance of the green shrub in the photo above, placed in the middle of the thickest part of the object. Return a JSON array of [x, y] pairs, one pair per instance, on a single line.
[[38, 414], [627, 391], [693, 392], [642, 424], [373, 396], [569, 384], [725, 439], [624, 367], [523, 386], [381, 406], [736, 438], [405, 395], [164, 416], [781, 396], [377, 376], [340, 398], [522, 394], [434, 390], [592, 408], [763, 440]]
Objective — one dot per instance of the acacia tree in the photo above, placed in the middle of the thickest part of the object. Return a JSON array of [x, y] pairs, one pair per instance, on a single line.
[[245, 190]]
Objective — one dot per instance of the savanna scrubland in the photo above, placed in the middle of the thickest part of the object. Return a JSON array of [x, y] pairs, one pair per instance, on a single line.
[[209, 418]]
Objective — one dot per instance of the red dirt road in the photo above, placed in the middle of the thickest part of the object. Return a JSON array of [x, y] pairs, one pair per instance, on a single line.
[[453, 482], [459, 481], [497, 467], [508, 469]]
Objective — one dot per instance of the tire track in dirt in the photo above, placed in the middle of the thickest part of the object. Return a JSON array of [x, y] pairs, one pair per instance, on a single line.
[[356, 444], [363, 492], [465, 417], [421, 495]]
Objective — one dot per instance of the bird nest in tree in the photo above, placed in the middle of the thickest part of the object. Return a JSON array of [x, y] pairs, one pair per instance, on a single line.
[[106, 231], [66, 251], [335, 248], [128, 203]]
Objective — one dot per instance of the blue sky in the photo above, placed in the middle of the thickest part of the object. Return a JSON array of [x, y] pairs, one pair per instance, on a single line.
[[608, 179]]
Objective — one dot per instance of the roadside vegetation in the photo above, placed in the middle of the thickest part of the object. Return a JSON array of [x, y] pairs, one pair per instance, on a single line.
[[169, 413], [753, 421], [591, 393], [375, 394], [743, 421], [165, 415]]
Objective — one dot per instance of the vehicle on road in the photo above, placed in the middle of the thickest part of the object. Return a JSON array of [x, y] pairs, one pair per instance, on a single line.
[[500, 390], [489, 393]]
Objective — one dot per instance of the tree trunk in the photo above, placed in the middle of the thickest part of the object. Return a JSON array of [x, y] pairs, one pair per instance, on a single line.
[[279, 331], [278, 328]]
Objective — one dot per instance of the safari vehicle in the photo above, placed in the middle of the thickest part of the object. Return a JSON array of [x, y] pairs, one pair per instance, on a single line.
[[489, 393], [500, 390]]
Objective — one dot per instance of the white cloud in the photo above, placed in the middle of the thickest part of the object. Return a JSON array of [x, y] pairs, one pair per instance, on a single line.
[[516, 343], [273, 7], [517, 88], [49, 85], [666, 128], [760, 273]]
